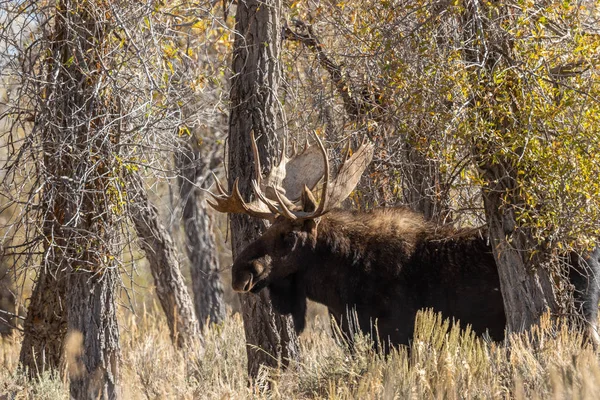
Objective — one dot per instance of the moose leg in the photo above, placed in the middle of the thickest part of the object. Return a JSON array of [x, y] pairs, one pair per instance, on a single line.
[[289, 297]]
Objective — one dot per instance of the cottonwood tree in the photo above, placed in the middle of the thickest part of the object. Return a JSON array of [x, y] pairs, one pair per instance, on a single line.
[[189, 49], [192, 46], [533, 76], [201, 46], [74, 121], [91, 108], [271, 339], [193, 167], [46, 325], [161, 253]]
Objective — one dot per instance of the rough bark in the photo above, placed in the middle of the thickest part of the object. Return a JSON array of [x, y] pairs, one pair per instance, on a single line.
[[45, 326], [161, 254], [270, 338], [200, 242], [527, 288], [93, 321]]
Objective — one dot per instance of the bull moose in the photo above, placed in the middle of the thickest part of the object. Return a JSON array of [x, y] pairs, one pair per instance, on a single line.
[[383, 264]]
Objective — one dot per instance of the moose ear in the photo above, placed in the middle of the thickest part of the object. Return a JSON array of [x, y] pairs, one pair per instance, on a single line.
[[309, 204]]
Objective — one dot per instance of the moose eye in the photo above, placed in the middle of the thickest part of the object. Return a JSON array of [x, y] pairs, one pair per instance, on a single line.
[[287, 238]]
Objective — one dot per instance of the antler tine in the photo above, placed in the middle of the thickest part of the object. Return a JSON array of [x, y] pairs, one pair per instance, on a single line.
[[234, 203], [283, 150], [220, 189], [257, 165], [333, 192], [273, 193], [263, 198], [349, 174], [322, 208], [228, 202], [348, 146], [306, 144], [225, 202], [285, 211]]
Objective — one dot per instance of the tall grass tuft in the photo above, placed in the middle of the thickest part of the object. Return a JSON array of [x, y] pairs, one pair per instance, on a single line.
[[442, 362]]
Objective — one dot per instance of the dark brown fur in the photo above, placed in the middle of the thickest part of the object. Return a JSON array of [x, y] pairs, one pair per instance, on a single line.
[[385, 264]]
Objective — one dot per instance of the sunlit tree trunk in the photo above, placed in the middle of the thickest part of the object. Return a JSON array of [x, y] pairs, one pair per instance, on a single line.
[[271, 340], [93, 326], [527, 288], [160, 251], [200, 241], [45, 326]]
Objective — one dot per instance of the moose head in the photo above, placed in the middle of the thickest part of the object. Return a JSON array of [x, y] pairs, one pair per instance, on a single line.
[[287, 198]]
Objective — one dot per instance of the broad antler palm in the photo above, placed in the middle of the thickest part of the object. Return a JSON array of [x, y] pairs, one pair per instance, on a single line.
[[281, 191]]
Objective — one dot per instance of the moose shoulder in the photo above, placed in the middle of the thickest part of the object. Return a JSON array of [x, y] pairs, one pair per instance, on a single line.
[[383, 265]]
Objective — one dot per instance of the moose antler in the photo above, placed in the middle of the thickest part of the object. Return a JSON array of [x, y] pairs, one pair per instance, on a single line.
[[281, 191], [292, 173], [305, 168], [335, 191], [234, 203]]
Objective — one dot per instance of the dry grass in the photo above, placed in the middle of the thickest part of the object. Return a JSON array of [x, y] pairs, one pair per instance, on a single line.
[[443, 362]]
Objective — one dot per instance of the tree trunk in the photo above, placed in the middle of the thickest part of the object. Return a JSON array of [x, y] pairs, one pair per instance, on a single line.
[[75, 117], [8, 299], [45, 326], [271, 340], [200, 241], [161, 254], [93, 326], [527, 289]]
